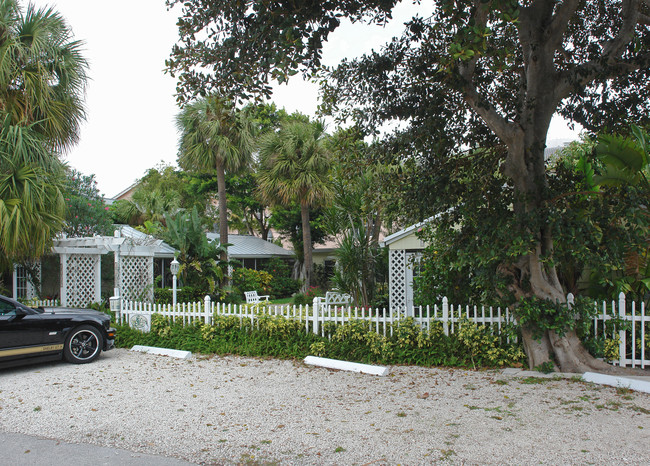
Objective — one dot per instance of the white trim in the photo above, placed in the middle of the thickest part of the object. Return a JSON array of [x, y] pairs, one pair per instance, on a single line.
[[405, 232]]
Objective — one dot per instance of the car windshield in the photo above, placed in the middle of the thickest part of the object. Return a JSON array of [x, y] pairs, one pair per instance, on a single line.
[[8, 306]]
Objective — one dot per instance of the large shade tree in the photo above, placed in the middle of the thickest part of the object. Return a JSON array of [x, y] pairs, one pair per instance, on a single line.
[[472, 72], [215, 137], [42, 81], [295, 165]]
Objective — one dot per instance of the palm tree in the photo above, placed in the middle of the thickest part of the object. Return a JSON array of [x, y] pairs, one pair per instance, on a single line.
[[42, 73], [626, 159], [42, 82], [627, 163], [295, 168], [32, 209], [215, 137]]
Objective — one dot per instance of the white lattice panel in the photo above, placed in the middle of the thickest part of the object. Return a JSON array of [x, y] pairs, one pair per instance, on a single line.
[[397, 279], [80, 285], [136, 278]]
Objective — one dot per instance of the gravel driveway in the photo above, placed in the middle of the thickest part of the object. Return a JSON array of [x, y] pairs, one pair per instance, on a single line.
[[228, 410]]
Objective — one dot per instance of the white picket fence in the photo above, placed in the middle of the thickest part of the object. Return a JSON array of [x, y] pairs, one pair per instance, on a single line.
[[41, 302], [632, 346]]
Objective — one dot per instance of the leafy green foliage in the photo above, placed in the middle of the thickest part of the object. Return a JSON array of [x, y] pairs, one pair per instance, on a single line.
[[544, 315], [286, 220], [244, 279], [282, 285], [198, 256], [285, 36], [42, 80], [31, 200], [471, 346], [42, 73], [294, 168], [86, 213], [626, 159], [216, 138], [277, 336], [184, 294], [362, 197], [272, 336], [166, 190], [247, 212], [477, 238]]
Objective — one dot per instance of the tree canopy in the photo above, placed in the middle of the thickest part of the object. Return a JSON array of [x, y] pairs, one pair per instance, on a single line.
[[477, 73]]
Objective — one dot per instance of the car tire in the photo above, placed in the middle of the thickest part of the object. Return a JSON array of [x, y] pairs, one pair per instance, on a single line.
[[83, 345]]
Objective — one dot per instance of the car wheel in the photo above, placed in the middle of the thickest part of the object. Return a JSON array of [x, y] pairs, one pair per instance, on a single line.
[[84, 344]]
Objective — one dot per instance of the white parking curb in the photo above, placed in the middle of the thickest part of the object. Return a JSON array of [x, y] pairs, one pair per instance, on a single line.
[[346, 366], [163, 351], [616, 381]]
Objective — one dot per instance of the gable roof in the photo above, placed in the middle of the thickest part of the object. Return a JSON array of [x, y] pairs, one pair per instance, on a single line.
[[405, 232], [248, 247]]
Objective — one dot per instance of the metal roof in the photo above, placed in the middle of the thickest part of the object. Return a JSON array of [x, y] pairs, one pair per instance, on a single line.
[[248, 247], [162, 250]]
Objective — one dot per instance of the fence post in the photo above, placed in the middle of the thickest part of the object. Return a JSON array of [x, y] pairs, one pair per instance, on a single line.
[[316, 310], [445, 315], [621, 333], [206, 310]]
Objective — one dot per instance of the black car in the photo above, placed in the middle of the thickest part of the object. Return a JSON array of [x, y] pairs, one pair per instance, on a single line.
[[48, 334]]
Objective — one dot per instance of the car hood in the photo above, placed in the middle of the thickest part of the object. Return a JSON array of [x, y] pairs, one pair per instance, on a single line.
[[73, 311]]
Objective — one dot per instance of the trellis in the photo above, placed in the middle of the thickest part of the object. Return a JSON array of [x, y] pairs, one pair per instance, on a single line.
[[397, 278], [81, 268], [405, 251]]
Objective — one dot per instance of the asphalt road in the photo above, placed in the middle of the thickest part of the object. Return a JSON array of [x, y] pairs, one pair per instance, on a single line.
[[26, 450]]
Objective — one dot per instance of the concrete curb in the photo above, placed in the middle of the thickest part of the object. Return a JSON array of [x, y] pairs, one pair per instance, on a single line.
[[636, 384], [346, 366], [163, 351]]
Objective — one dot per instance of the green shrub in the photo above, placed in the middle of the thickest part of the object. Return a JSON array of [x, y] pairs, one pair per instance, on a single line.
[[300, 299], [282, 285], [276, 336], [244, 279], [186, 294]]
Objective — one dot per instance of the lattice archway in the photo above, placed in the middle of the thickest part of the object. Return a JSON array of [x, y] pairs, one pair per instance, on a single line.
[[81, 274]]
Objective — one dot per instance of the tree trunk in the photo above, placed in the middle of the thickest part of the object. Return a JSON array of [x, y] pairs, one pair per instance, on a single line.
[[526, 168], [223, 215], [541, 28], [306, 240]]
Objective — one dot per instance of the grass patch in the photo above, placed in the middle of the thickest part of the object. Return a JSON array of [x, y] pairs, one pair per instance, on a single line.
[[534, 380]]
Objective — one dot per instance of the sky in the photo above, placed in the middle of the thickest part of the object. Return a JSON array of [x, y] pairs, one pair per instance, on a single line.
[[130, 102]]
